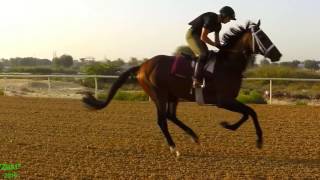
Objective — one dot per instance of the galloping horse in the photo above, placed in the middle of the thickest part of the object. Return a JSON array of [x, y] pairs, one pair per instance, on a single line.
[[222, 86]]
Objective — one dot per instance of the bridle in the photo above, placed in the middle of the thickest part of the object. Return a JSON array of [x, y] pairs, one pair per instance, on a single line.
[[261, 46]]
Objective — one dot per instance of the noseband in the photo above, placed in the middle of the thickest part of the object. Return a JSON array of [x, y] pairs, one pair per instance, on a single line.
[[261, 46]]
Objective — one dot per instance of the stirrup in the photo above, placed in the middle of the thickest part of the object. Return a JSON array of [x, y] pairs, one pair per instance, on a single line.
[[198, 92], [197, 84]]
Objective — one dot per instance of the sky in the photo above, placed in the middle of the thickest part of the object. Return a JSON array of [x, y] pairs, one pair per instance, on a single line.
[[144, 28]]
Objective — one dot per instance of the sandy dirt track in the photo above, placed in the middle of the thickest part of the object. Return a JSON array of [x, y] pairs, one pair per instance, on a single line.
[[60, 139]]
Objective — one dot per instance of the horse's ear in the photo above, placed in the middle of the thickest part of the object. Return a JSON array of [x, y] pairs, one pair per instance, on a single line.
[[258, 24]]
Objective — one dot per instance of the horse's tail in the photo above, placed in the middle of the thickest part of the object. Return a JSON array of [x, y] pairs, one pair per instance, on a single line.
[[93, 103]]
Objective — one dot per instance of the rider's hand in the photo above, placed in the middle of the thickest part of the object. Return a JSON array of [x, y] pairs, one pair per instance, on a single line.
[[219, 45]]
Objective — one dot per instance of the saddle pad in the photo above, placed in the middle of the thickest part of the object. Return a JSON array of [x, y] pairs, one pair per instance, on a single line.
[[181, 67], [184, 67]]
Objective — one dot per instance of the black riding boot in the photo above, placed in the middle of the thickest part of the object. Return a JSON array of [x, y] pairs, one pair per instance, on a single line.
[[198, 74]]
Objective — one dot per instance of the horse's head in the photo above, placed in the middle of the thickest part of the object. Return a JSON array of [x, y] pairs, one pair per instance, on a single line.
[[259, 43], [249, 40]]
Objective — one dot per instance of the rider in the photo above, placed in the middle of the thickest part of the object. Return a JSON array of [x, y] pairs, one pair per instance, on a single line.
[[197, 37]]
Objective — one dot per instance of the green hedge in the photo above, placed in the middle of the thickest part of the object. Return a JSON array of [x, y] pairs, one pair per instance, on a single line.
[[290, 88], [127, 96], [252, 97], [42, 70], [272, 71]]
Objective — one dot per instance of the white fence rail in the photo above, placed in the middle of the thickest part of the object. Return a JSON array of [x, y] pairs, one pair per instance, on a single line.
[[95, 77], [27, 76], [280, 79]]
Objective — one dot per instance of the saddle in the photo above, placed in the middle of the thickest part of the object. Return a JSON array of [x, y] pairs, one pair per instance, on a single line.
[[183, 65]]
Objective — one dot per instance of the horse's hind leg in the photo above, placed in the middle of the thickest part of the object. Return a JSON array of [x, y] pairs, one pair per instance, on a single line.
[[171, 114], [160, 99], [161, 104], [236, 106]]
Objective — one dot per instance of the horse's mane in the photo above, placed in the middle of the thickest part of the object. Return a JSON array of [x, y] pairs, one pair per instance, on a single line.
[[234, 34], [230, 38]]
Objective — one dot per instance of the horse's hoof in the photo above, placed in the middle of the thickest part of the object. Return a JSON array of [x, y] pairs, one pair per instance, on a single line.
[[175, 152], [259, 143], [226, 125]]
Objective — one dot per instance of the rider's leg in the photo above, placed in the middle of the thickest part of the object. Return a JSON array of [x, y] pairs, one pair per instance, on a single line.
[[198, 73], [201, 50]]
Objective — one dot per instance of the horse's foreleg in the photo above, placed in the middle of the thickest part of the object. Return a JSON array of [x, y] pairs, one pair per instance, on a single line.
[[236, 125], [171, 114], [236, 106]]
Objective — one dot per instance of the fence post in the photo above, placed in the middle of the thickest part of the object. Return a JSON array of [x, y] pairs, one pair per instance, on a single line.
[[5, 86], [96, 87], [49, 84], [270, 92]]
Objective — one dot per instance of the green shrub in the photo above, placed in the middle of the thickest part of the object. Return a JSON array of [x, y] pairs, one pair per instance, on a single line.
[[280, 72], [42, 70], [127, 96], [301, 103], [288, 87], [254, 97], [32, 70], [99, 68]]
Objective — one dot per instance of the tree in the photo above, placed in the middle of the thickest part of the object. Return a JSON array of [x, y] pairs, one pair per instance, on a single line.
[[311, 64], [296, 63], [63, 61], [28, 61], [66, 60], [184, 49], [134, 61], [56, 61], [1, 66], [117, 63], [5, 62]]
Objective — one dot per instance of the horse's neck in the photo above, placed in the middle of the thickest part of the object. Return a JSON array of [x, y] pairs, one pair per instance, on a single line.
[[231, 53], [233, 57], [237, 47]]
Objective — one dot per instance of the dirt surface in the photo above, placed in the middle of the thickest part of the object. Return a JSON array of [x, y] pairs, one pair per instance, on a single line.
[[60, 139]]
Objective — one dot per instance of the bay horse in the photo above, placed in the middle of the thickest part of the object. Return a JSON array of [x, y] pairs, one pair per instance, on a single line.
[[222, 87]]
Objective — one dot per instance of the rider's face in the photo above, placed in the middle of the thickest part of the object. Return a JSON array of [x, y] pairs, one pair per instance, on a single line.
[[226, 20]]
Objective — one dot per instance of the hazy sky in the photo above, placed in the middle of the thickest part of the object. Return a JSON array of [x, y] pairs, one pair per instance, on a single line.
[[144, 28]]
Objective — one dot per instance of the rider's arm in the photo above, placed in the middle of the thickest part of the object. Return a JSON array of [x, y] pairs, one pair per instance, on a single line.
[[217, 39], [204, 37]]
